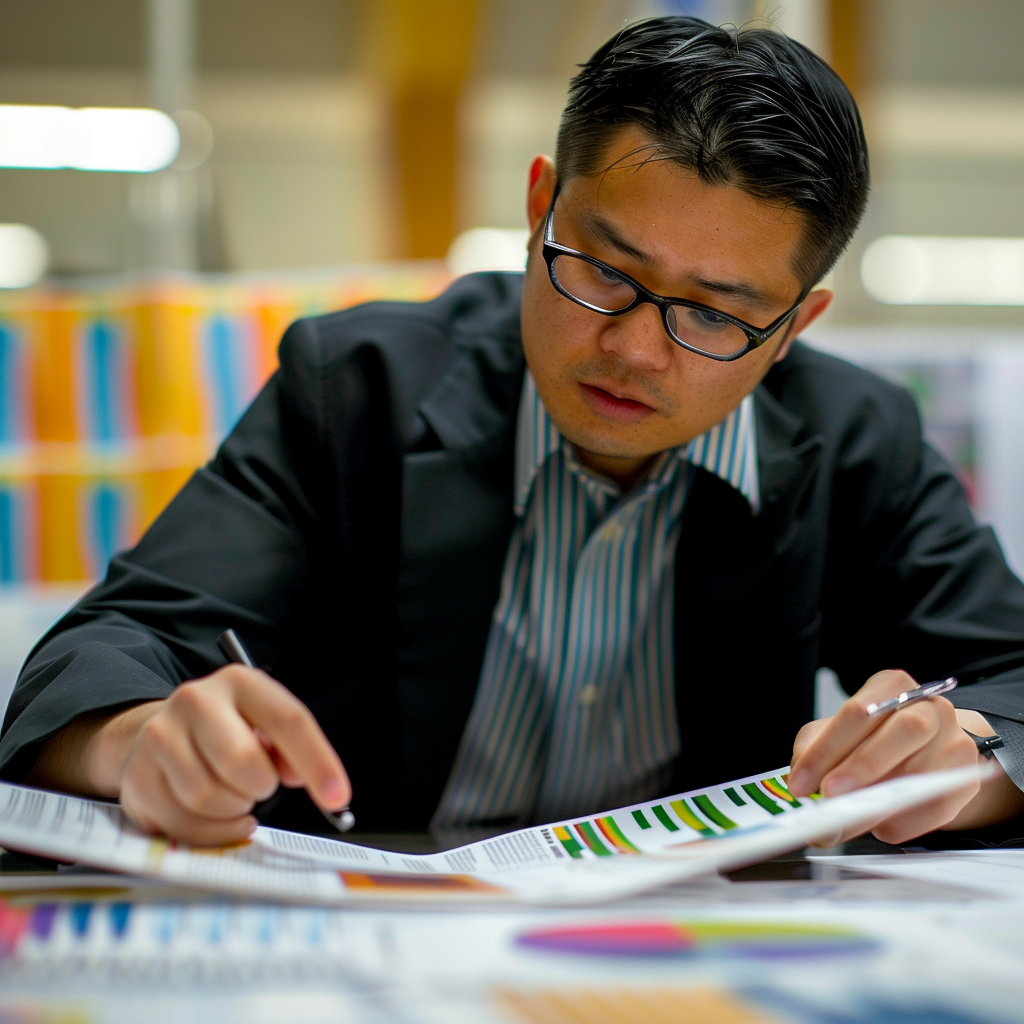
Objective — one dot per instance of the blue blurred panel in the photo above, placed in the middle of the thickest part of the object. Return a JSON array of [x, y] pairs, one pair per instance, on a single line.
[[103, 371], [9, 553], [225, 367], [718, 12], [10, 387], [108, 525]]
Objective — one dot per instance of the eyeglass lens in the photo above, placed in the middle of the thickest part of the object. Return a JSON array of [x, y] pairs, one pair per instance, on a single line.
[[604, 290]]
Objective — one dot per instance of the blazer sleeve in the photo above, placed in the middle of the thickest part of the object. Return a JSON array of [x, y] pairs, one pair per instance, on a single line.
[[920, 584], [230, 550]]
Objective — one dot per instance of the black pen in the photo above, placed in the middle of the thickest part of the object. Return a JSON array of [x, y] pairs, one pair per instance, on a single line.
[[233, 650]]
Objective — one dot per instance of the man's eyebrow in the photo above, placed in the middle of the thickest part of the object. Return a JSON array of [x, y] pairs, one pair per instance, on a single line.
[[737, 289], [599, 229]]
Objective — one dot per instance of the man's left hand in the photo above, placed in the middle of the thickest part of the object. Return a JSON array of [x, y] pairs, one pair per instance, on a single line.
[[850, 750]]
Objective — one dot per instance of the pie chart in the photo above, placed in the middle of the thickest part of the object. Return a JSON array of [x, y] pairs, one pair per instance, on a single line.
[[700, 940]]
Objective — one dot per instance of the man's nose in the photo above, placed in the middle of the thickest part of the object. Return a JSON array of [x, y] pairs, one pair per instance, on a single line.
[[639, 339]]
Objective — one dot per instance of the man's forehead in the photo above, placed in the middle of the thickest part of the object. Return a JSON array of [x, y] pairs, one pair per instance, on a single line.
[[662, 218]]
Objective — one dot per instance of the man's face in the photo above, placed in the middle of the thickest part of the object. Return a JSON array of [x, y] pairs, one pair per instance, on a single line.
[[619, 388]]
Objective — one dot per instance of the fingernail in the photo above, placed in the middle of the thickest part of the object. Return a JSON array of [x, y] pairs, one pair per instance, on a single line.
[[333, 792], [798, 783], [837, 785]]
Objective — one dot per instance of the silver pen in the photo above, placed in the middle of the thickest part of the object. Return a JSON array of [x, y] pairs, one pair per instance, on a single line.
[[233, 650], [910, 696]]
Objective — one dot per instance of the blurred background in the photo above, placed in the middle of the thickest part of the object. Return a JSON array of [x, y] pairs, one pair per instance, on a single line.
[[317, 153]]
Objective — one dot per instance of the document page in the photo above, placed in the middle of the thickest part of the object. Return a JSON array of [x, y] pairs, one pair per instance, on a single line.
[[589, 859], [641, 828]]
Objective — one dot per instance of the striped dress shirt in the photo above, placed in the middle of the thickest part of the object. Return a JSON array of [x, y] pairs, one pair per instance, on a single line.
[[575, 710]]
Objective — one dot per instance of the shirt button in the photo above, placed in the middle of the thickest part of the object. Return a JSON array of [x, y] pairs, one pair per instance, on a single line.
[[588, 696]]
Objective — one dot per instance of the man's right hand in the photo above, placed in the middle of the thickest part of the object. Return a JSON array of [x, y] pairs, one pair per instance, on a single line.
[[192, 766]]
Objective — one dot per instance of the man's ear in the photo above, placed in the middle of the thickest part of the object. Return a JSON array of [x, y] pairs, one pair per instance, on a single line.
[[812, 307], [541, 189]]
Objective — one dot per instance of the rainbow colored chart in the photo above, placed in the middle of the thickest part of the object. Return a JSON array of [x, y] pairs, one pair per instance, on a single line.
[[703, 815], [704, 939]]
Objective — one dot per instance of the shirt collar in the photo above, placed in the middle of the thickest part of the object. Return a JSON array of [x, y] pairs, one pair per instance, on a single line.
[[728, 449]]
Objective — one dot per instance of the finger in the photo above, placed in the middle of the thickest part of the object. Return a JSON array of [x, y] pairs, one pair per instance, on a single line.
[[806, 736], [191, 781], [148, 800], [901, 736], [845, 731], [284, 770], [296, 736], [225, 740]]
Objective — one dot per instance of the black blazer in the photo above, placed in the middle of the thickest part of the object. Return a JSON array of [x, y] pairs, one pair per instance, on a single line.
[[353, 529]]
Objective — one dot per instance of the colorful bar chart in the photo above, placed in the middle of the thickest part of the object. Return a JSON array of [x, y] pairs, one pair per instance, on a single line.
[[678, 820]]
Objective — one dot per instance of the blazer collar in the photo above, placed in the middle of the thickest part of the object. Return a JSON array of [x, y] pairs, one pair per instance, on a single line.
[[476, 397]]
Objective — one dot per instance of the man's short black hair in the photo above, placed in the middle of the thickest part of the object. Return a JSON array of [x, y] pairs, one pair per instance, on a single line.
[[749, 108]]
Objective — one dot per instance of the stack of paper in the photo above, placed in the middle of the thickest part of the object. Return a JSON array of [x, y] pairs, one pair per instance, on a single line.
[[583, 860]]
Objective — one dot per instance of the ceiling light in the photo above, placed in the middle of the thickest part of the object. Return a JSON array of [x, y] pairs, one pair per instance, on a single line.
[[88, 139], [934, 271], [23, 256], [488, 249]]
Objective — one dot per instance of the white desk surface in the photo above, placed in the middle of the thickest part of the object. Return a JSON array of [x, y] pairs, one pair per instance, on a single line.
[[895, 950]]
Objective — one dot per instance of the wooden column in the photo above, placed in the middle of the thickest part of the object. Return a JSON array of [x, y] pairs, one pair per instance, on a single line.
[[421, 49], [847, 29]]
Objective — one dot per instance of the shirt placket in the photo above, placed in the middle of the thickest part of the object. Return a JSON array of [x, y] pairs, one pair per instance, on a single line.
[[598, 625]]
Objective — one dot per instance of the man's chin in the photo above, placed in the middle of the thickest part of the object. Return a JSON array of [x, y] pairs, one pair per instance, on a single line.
[[600, 444]]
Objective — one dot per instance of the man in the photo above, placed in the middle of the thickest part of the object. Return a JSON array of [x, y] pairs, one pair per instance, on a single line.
[[505, 592]]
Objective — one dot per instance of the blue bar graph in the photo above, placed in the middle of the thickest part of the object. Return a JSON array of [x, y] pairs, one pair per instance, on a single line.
[[108, 524], [102, 357], [9, 548], [225, 369], [10, 380]]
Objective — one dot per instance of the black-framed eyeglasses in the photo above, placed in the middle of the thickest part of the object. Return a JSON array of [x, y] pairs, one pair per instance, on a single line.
[[696, 327]]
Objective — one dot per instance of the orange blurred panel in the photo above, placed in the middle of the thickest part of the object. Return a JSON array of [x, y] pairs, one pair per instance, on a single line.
[[168, 374], [847, 23], [424, 52], [52, 374], [272, 320], [59, 557], [425, 123]]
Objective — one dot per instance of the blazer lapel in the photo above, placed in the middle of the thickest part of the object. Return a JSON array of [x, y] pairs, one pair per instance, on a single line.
[[457, 519]]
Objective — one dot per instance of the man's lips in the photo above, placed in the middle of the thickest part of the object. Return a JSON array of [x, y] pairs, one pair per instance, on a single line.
[[626, 410]]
